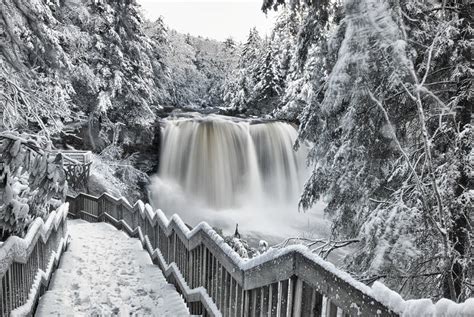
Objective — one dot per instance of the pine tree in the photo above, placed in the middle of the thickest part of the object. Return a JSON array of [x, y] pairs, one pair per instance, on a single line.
[[230, 45], [386, 114], [60, 60], [269, 79], [238, 93]]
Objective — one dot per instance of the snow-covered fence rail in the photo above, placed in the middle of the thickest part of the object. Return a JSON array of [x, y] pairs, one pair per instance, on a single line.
[[77, 165], [215, 281], [26, 264]]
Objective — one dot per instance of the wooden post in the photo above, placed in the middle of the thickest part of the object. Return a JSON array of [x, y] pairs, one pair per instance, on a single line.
[[174, 246], [239, 304], [219, 286], [265, 299], [246, 302], [231, 295], [202, 272], [297, 301], [331, 309], [191, 270]]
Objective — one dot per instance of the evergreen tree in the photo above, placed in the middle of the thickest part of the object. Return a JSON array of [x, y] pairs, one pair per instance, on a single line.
[[387, 119], [269, 79], [230, 45], [238, 93], [60, 60], [197, 69]]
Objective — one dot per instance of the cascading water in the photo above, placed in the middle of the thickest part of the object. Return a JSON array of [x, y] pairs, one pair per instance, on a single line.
[[228, 171], [213, 161]]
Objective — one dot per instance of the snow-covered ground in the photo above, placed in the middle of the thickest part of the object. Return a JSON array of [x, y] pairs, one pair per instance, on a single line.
[[105, 272]]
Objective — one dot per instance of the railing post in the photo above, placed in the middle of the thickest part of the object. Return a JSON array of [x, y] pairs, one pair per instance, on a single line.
[[190, 268], [273, 299], [218, 286], [100, 209], [204, 267], [157, 234], [297, 297], [231, 293], [119, 211], [246, 302], [174, 247]]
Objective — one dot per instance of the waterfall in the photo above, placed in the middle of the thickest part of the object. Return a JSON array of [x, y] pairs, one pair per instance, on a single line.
[[228, 171], [223, 163]]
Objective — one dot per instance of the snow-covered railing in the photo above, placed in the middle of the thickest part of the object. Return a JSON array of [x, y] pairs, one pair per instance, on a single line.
[[26, 264], [214, 280], [75, 156], [77, 165]]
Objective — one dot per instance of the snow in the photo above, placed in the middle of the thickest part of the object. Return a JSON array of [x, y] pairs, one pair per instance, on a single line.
[[381, 293], [386, 296], [41, 278], [105, 272], [16, 248], [421, 307], [246, 264]]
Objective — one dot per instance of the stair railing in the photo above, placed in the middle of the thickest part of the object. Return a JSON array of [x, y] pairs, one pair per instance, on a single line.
[[215, 281], [26, 264]]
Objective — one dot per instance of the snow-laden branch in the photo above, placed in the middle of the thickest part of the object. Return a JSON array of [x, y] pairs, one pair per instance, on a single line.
[[321, 247]]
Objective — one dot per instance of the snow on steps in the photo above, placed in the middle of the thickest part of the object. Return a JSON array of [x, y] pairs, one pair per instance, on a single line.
[[378, 292], [105, 272], [190, 295], [18, 250]]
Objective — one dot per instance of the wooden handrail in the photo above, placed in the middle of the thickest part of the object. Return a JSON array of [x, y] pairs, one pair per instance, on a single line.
[[77, 169], [26, 264], [215, 280], [68, 155]]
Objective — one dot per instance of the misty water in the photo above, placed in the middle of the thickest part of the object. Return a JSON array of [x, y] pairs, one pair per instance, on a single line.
[[226, 171]]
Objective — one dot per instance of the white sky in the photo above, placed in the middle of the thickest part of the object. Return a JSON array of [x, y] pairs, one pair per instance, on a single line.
[[215, 19]]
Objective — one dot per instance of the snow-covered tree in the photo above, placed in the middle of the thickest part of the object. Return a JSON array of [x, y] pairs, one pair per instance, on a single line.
[[30, 177], [117, 75], [33, 93], [386, 113], [238, 93], [61, 60], [269, 81], [258, 85], [230, 45], [197, 68]]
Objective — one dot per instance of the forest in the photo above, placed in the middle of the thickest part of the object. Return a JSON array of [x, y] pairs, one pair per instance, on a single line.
[[380, 93]]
